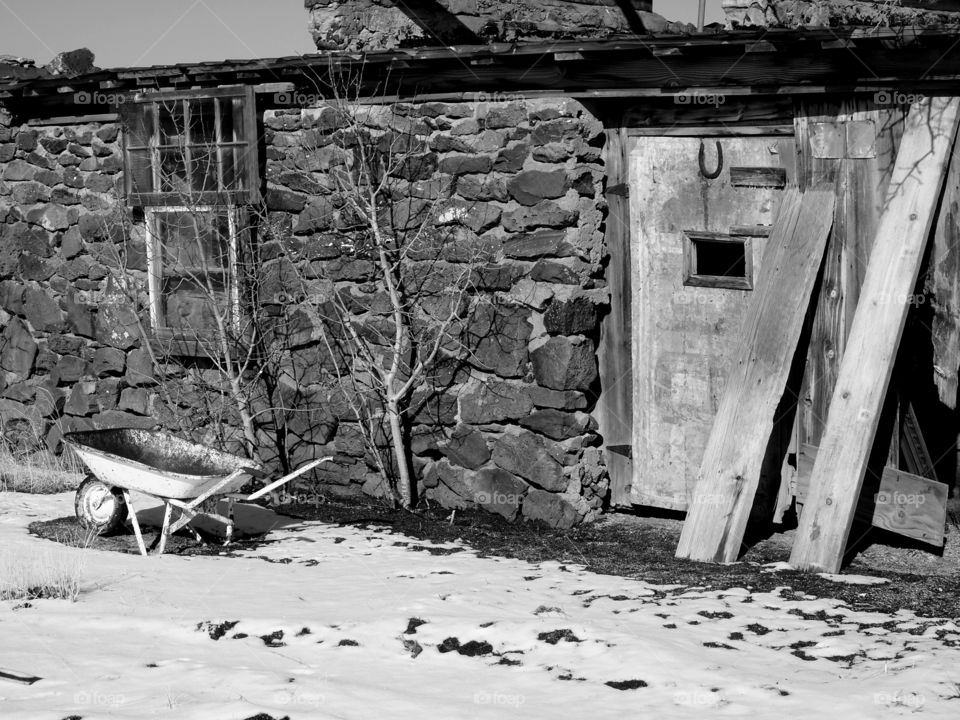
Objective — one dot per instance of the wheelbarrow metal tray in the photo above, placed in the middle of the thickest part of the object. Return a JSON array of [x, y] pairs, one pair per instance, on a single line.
[[155, 462]]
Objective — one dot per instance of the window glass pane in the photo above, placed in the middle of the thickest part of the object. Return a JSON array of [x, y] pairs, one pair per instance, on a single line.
[[171, 123], [203, 121], [236, 112], [227, 125], [192, 306], [173, 170], [193, 242], [193, 252], [203, 171], [140, 171], [141, 120], [229, 170]]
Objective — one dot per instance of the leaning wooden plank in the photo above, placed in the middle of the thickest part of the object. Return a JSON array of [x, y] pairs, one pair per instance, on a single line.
[[904, 503], [867, 364], [730, 472]]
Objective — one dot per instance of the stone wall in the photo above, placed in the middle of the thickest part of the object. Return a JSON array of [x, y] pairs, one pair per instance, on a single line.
[[370, 25], [69, 344], [523, 180], [839, 13]]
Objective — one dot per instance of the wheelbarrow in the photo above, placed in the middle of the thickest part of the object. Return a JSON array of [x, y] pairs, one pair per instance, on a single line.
[[187, 477]]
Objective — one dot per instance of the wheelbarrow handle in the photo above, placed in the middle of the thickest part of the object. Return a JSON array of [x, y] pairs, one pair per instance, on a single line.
[[287, 478]]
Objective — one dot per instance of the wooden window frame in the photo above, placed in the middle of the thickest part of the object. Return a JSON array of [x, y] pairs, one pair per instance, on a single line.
[[248, 147], [175, 341], [694, 279]]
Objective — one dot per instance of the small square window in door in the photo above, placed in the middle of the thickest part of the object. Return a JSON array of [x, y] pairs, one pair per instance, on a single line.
[[717, 260]]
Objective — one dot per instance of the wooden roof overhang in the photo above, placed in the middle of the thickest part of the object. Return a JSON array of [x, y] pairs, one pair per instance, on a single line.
[[768, 62]]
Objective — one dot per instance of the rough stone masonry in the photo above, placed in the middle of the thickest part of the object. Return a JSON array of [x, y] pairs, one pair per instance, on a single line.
[[514, 434]]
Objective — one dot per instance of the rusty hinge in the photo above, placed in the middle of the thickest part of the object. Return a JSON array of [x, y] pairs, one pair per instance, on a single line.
[[623, 190]]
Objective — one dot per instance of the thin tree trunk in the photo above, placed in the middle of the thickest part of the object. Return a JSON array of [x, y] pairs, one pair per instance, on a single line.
[[399, 450]]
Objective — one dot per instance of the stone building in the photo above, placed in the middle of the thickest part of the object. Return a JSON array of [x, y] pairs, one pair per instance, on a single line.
[[610, 178]]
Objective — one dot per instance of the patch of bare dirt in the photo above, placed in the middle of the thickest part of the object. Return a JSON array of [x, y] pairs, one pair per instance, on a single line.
[[621, 544]]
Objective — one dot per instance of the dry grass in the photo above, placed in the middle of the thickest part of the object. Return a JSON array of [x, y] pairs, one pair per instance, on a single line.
[[39, 472], [48, 573]]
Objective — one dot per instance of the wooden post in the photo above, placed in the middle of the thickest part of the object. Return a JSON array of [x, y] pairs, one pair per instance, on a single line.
[[616, 367], [730, 472], [867, 364]]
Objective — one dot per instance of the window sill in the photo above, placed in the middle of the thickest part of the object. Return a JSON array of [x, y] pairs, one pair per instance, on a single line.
[[169, 342]]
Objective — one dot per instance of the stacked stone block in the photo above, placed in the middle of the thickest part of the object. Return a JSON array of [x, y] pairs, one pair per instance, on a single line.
[[518, 185], [69, 344], [516, 188]]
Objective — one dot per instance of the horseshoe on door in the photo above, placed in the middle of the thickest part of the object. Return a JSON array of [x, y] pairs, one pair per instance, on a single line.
[[703, 170]]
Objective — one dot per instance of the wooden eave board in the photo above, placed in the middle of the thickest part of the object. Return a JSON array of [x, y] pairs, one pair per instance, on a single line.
[[864, 376], [730, 472]]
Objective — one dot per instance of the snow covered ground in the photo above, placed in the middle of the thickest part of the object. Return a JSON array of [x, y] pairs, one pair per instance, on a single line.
[[318, 625]]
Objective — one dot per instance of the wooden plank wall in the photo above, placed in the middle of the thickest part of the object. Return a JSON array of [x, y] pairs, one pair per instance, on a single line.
[[615, 352], [861, 387], [861, 186], [942, 282]]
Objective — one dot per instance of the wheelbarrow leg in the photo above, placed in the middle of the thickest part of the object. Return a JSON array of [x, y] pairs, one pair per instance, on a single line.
[[165, 528], [135, 522], [230, 517]]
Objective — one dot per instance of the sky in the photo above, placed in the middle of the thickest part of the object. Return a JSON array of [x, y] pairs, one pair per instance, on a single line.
[[131, 33]]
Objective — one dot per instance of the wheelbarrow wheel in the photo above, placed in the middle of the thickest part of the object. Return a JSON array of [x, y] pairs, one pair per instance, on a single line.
[[100, 507]]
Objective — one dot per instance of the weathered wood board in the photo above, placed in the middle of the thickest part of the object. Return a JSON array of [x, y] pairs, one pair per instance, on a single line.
[[615, 407], [867, 365], [904, 503], [684, 337], [730, 472], [861, 186], [942, 284], [758, 177]]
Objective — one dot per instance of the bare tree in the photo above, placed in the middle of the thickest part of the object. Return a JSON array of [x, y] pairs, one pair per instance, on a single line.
[[409, 234], [220, 334]]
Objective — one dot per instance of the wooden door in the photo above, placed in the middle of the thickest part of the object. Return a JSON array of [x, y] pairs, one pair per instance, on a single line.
[[697, 243]]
